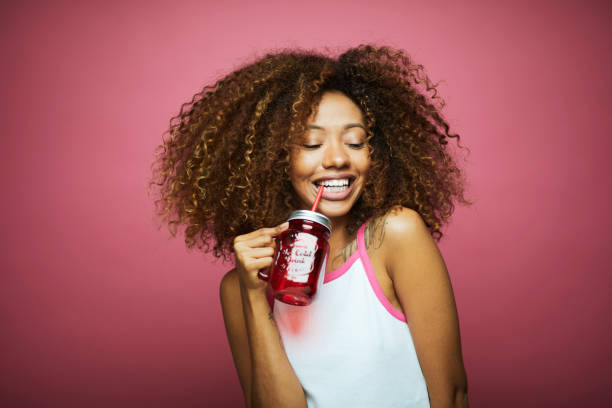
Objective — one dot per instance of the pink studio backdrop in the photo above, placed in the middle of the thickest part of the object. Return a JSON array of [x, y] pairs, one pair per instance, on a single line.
[[101, 309]]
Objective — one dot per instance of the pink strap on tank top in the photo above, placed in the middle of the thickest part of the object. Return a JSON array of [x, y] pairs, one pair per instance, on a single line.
[[365, 260]]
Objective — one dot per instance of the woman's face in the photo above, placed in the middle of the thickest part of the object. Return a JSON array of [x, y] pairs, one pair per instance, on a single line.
[[333, 153]]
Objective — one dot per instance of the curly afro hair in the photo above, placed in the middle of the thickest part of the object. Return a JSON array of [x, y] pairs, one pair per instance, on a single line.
[[223, 169]]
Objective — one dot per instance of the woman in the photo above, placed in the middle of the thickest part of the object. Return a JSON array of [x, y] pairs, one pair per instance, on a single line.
[[383, 328]]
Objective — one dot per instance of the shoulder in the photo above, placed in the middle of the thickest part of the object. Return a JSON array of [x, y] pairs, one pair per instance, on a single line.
[[229, 285], [397, 224], [402, 222], [403, 225], [407, 241]]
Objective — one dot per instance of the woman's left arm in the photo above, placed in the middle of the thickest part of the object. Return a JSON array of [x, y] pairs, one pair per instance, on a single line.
[[424, 290]]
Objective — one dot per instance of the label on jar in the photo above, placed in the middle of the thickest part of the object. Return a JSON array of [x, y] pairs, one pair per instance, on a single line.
[[302, 258]]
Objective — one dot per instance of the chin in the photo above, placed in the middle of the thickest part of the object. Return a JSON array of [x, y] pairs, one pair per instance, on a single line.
[[335, 210]]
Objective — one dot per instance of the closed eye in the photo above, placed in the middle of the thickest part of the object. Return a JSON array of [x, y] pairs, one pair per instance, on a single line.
[[312, 146], [356, 145]]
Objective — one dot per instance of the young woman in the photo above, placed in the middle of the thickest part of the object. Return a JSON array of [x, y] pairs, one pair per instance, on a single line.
[[383, 329]]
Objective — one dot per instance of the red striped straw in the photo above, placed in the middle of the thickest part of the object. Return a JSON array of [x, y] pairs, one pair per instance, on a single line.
[[316, 203]]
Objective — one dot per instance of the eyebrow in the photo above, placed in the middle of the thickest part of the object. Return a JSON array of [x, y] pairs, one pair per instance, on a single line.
[[349, 126]]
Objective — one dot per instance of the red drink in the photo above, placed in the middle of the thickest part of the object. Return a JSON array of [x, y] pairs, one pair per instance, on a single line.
[[299, 258]]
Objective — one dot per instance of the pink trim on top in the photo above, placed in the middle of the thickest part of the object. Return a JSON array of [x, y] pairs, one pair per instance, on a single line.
[[342, 269], [361, 248]]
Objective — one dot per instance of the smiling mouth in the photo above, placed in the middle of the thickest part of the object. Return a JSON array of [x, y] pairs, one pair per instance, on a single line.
[[335, 189]]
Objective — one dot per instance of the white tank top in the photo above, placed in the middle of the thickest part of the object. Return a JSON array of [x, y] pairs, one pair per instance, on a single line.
[[350, 347]]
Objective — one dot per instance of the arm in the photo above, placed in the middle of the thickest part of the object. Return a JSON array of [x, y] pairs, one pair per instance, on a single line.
[[265, 374], [424, 290]]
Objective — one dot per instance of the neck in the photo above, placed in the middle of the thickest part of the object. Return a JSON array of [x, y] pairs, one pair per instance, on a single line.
[[339, 237], [339, 223]]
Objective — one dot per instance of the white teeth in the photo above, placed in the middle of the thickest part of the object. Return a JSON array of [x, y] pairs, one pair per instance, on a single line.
[[335, 183], [336, 188]]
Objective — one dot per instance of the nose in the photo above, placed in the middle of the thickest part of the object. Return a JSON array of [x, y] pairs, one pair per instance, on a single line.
[[335, 156]]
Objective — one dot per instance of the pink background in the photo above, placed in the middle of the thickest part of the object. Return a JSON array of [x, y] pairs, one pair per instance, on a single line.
[[100, 309]]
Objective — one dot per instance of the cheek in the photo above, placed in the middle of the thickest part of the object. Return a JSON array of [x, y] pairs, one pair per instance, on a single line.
[[364, 163], [302, 166]]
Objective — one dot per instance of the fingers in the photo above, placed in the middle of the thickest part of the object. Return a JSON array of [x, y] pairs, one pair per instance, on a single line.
[[261, 252], [274, 230], [263, 232], [261, 241], [263, 237], [280, 228], [261, 263], [249, 254], [255, 251]]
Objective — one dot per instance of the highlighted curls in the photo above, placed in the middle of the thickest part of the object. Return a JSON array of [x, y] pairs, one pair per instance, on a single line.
[[223, 169]]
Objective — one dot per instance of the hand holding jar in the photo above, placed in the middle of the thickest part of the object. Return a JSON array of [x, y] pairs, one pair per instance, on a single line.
[[254, 252]]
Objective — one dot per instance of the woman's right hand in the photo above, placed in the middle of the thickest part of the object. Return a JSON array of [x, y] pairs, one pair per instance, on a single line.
[[254, 251]]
